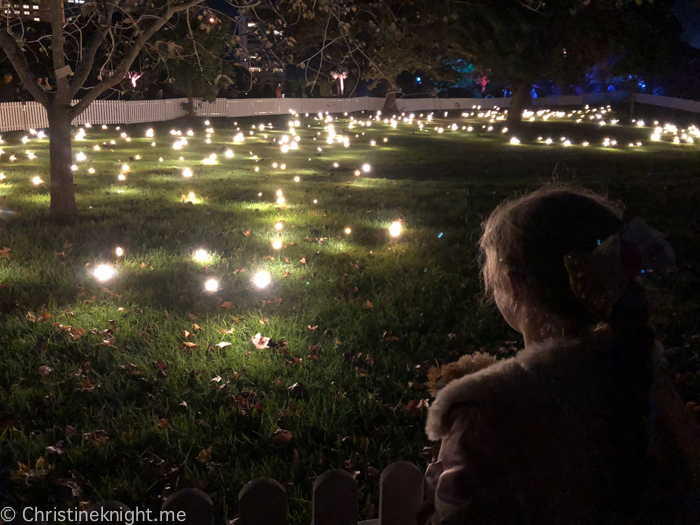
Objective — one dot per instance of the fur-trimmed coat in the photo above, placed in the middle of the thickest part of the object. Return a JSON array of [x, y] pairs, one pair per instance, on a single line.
[[529, 440]]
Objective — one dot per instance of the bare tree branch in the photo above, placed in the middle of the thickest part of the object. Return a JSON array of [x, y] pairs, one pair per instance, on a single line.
[[19, 61], [86, 63], [123, 68]]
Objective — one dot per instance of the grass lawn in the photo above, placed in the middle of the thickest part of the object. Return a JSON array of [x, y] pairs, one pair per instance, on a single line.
[[134, 387]]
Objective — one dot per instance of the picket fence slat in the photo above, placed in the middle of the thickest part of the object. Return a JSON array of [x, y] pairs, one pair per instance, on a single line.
[[263, 501], [400, 493], [196, 505], [335, 499]]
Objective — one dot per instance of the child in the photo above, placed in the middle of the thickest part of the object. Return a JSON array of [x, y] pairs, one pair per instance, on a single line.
[[580, 427]]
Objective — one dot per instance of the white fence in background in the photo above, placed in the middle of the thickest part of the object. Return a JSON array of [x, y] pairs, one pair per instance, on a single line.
[[23, 116]]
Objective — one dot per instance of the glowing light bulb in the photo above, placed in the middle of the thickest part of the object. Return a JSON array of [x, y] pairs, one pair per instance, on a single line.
[[104, 272], [74, 168], [357, 173], [280, 200], [277, 244], [366, 168], [279, 226], [125, 167], [229, 154], [201, 255], [297, 179], [262, 279], [348, 231], [315, 201], [121, 177], [91, 171], [119, 251], [211, 285], [80, 157], [187, 173], [37, 180], [395, 229], [515, 140]]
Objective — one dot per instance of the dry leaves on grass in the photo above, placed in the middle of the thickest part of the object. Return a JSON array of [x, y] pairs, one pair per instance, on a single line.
[[368, 305], [187, 346], [204, 456], [44, 370], [282, 438], [260, 342], [41, 469], [227, 305], [41, 317], [96, 437]]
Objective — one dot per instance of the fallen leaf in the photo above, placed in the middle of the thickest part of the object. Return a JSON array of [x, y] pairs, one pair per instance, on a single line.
[[223, 344], [368, 305], [44, 370], [58, 448], [196, 327], [282, 438], [227, 304], [96, 437], [186, 345], [204, 456], [297, 389], [246, 233], [311, 327], [224, 331], [260, 342], [185, 334], [162, 423]]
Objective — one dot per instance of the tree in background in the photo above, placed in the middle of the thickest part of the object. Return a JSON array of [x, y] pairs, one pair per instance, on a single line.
[[197, 53], [82, 53], [373, 39], [522, 41]]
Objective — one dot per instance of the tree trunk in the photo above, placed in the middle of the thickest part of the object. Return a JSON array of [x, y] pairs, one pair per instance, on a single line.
[[390, 100], [519, 101], [62, 193], [633, 96], [189, 107]]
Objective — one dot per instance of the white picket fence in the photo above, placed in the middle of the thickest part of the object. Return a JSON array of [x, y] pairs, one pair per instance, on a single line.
[[264, 501], [23, 116]]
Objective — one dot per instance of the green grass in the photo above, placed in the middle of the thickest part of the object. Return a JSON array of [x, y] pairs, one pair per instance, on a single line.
[[359, 365]]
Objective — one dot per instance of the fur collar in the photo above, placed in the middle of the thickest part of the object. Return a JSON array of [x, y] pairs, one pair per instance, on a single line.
[[504, 381]]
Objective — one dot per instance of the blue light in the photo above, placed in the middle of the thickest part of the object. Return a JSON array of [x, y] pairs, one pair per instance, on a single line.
[[417, 79]]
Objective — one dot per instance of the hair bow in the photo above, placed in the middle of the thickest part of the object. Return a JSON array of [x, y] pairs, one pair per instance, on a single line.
[[599, 279]]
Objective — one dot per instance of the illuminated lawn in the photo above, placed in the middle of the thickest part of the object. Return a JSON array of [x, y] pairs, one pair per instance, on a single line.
[[147, 382]]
